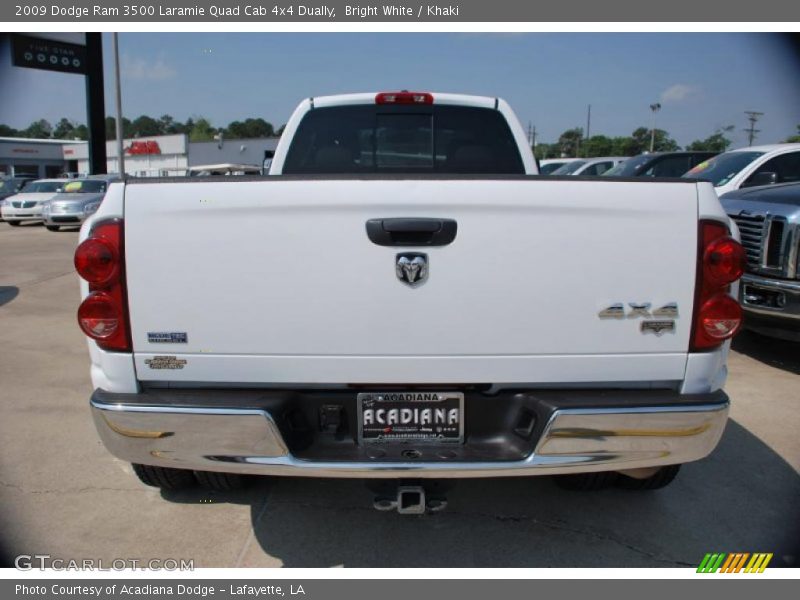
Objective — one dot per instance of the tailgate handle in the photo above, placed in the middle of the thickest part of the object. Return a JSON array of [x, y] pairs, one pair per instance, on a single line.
[[412, 231]]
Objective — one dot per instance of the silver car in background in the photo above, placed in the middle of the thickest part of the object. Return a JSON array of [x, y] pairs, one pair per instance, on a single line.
[[77, 200]]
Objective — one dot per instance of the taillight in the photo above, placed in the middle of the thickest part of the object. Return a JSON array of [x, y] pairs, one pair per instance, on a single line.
[[96, 260], [103, 314], [404, 97], [721, 259], [720, 317], [99, 316]]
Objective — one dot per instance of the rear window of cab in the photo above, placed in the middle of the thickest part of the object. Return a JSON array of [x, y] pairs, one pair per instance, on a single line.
[[401, 139]]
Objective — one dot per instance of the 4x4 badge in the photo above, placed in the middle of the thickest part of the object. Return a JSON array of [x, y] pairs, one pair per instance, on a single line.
[[639, 309], [411, 267]]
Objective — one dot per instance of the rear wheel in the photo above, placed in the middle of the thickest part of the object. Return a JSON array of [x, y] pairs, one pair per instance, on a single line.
[[52, 227], [163, 477], [586, 482], [14, 223], [661, 478], [221, 482]]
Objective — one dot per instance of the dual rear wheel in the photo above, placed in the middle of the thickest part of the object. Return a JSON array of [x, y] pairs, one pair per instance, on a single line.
[[598, 481], [179, 479]]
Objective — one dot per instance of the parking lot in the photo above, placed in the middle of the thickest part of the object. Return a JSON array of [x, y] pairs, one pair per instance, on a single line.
[[62, 494]]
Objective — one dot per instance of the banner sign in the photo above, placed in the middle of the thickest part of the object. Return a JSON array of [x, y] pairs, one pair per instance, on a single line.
[[410, 11], [50, 55], [390, 589]]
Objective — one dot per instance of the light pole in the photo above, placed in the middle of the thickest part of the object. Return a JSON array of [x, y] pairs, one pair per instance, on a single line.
[[655, 108], [118, 102]]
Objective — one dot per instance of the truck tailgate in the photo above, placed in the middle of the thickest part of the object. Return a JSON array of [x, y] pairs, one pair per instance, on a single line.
[[276, 281]]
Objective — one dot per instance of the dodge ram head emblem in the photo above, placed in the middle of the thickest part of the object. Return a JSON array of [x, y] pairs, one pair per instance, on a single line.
[[412, 268]]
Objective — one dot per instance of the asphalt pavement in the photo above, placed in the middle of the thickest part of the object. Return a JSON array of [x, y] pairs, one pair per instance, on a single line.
[[62, 494]]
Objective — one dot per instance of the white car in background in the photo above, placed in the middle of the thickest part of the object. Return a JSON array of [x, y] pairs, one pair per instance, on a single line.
[[548, 165], [750, 167], [27, 205], [589, 167]]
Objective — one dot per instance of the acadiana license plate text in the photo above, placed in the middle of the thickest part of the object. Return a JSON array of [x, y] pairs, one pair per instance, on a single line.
[[419, 416]]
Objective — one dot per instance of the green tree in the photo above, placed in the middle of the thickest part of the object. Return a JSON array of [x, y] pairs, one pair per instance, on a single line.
[[111, 132], [111, 128], [716, 142], [41, 129], [280, 130], [234, 130], [81, 132], [184, 127], [544, 150], [167, 125], [144, 126], [249, 128], [570, 141], [64, 129], [640, 141], [597, 145], [7, 131], [794, 138], [621, 146], [201, 130]]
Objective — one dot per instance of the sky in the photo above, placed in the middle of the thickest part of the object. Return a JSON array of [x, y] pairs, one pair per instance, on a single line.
[[703, 81]]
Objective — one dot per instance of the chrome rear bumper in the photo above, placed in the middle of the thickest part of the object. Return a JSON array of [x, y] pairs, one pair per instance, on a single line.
[[247, 440]]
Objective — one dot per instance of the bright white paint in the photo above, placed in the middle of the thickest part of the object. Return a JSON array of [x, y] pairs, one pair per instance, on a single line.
[[284, 271], [276, 282]]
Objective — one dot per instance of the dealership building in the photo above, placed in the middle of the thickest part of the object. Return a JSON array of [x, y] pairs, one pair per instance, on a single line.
[[156, 156], [25, 157]]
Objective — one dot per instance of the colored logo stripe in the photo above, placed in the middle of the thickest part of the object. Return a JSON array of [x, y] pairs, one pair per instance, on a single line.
[[710, 563], [758, 563], [733, 563]]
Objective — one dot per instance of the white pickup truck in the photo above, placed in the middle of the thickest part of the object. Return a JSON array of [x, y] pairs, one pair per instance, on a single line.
[[404, 299]]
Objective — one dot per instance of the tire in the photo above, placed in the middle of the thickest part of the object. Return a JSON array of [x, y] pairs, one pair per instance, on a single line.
[[14, 223], [53, 227], [586, 482], [221, 482], [662, 478], [163, 477]]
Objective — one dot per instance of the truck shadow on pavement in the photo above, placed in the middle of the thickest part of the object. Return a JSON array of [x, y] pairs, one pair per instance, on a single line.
[[781, 354], [743, 498], [8, 293]]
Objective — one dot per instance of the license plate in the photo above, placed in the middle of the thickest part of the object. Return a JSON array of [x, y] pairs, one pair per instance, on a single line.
[[411, 417]]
